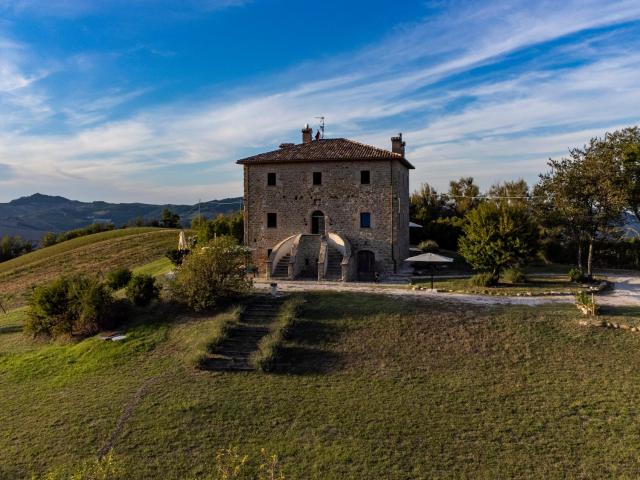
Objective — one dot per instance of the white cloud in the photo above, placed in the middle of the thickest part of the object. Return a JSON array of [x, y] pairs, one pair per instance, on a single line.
[[508, 127]]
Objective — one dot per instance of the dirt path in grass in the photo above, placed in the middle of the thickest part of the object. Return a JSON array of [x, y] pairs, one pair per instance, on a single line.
[[126, 414], [626, 292]]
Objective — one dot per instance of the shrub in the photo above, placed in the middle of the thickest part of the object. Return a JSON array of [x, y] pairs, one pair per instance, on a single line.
[[576, 275], [176, 256], [429, 246], [118, 278], [77, 305], [142, 289], [484, 280], [514, 275], [586, 303], [212, 274]]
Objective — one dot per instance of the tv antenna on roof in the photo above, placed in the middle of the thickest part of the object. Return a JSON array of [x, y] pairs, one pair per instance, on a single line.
[[321, 126]]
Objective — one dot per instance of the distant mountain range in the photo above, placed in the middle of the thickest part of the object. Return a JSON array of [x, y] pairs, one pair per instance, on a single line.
[[33, 216]]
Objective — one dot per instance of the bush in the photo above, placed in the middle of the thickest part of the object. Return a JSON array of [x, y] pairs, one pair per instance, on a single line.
[[142, 289], [176, 256], [576, 275], [429, 246], [484, 280], [514, 275], [70, 306], [498, 236], [12, 247], [118, 278], [213, 274]]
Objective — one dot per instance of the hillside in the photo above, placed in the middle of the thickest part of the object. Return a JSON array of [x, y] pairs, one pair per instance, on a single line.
[[31, 217], [369, 387], [93, 254]]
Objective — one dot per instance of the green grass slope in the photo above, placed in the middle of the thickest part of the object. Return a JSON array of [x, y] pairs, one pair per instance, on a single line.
[[93, 254], [369, 386]]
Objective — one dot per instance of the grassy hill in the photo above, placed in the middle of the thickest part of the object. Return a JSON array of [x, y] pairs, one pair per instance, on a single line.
[[370, 386], [94, 254]]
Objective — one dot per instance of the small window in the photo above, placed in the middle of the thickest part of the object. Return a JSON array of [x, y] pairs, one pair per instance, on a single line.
[[269, 250], [365, 177], [272, 220], [271, 179], [365, 220], [317, 178]]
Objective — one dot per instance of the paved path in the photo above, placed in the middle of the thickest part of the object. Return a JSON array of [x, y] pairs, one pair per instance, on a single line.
[[626, 292]]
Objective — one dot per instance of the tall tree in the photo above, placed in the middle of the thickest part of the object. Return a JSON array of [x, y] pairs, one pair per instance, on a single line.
[[585, 193], [512, 192], [169, 219], [426, 205], [463, 195], [624, 147]]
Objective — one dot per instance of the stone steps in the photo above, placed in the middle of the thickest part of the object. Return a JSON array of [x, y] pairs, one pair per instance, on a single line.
[[282, 268], [234, 353]]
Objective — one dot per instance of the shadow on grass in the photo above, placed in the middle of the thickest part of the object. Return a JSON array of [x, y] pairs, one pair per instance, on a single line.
[[619, 311], [308, 349], [10, 329]]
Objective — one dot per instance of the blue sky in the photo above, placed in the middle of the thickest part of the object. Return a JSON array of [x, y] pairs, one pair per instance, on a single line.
[[154, 100]]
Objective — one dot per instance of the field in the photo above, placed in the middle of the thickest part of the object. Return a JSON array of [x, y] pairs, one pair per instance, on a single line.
[[94, 254], [367, 387]]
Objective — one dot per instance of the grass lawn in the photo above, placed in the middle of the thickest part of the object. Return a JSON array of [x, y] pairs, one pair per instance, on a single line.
[[92, 254], [368, 386], [535, 285]]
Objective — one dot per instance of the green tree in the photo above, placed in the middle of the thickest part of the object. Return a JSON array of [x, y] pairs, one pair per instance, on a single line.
[[48, 239], [214, 273], [624, 148], [13, 246], [426, 205], [498, 236], [169, 219], [511, 192], [463, 195], [197, 221], [586, 194]]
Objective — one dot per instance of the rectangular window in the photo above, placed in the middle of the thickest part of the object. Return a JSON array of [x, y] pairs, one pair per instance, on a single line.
[[317, 178], [272, 220], [365, 220], [271, 179], [365, 177]]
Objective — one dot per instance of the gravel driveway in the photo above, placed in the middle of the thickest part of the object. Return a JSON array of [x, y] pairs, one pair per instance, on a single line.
[[626, 292]]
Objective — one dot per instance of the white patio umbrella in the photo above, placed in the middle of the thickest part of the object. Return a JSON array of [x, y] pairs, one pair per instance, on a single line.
[[182, 241], [431, 259]]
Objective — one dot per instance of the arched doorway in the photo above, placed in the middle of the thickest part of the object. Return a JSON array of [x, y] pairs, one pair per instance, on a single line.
[[366, 265], [317, 222]]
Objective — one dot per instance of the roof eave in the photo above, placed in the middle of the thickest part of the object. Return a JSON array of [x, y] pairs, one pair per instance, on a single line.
[[248, 161]]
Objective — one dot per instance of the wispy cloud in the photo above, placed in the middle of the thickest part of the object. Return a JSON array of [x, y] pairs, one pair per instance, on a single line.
[[430, 79]]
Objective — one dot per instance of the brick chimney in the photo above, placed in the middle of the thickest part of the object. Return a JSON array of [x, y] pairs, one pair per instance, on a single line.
[[306, 134], [397, 145]]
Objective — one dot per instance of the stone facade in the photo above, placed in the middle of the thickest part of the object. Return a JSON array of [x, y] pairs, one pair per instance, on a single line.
[[337, 202]]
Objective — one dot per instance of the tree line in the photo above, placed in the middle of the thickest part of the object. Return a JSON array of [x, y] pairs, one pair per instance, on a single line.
[[578, 203]]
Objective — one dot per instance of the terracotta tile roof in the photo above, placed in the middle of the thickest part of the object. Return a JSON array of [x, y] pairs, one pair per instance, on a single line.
[[326, 149]]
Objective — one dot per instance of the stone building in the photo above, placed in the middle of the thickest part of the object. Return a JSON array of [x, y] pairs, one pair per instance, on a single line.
[[327, 209]]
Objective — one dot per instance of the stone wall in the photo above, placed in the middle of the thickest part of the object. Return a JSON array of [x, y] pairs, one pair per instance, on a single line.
[[341, 198]]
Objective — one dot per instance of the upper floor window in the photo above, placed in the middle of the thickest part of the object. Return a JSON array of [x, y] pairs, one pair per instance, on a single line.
[[317, 178], [272, 220], [365, 220], [271, 178], [365, 177]]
